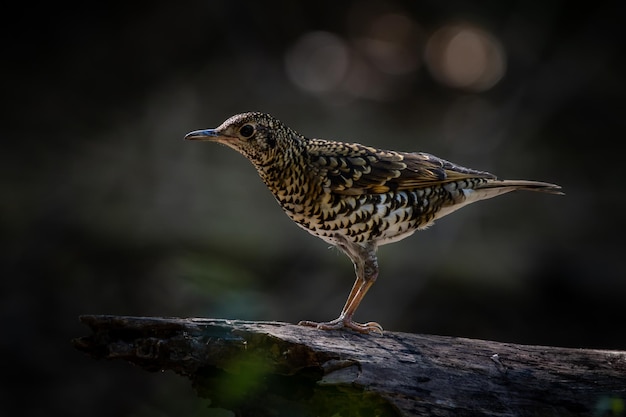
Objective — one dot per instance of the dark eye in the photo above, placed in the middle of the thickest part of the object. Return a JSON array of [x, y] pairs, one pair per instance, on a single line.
[[246, 131]]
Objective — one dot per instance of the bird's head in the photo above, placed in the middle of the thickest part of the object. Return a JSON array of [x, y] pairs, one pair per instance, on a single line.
[[258, 136]]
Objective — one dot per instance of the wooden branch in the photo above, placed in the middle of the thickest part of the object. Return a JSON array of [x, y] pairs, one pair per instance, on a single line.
[[278, 369]]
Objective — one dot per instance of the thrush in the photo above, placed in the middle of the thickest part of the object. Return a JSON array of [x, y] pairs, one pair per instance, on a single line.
[[353, 196]]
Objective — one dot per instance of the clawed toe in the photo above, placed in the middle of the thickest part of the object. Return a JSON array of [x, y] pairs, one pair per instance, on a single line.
[[340, 323], [372, 326]]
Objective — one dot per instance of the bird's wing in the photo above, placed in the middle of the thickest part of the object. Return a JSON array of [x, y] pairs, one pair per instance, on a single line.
[[356, 169]]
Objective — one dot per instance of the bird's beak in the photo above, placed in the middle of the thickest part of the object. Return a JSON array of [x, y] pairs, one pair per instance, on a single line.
[[205, 134]]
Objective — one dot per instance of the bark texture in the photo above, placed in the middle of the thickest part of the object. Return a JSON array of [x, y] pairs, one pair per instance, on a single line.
[[278, 369]]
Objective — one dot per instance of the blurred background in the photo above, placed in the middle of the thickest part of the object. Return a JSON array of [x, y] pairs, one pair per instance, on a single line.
[[106, 210]]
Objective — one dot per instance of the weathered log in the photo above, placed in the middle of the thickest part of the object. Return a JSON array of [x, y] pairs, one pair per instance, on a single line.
[[278, 369]]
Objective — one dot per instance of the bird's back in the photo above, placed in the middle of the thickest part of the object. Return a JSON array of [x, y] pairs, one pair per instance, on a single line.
[[367, 194]]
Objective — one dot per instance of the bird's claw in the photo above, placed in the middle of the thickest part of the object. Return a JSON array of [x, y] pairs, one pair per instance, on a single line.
[[340, 323]]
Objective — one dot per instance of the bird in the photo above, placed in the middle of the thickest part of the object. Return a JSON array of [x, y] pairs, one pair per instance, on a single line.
[[353, 196]]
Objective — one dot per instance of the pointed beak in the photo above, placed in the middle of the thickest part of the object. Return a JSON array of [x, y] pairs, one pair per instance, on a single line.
[[205, 134]]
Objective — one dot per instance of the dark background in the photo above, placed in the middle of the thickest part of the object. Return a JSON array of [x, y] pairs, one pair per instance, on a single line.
[[106, 210]]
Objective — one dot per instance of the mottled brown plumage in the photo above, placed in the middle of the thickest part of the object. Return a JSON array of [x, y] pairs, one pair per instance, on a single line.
[[353, 196]]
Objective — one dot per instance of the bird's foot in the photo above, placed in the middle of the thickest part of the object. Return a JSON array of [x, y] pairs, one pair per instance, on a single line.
[[345, 322]]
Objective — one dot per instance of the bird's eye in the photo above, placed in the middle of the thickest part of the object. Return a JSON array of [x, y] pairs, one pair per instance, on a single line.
[[246, 131]]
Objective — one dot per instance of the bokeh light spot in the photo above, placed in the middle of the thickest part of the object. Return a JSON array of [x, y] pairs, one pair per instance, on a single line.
[[466, 57]]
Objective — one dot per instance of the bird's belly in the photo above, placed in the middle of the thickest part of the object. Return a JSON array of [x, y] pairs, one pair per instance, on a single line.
[[383, 218]]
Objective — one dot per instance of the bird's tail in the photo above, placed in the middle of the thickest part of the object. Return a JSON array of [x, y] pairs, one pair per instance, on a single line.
[[492, 188], [505, 186]]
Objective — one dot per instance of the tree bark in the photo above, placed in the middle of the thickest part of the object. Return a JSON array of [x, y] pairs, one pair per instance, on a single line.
[[278, 369]]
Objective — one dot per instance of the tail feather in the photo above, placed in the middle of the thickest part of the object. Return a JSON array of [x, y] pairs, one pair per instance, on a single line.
[[492, 188], [512, 185]]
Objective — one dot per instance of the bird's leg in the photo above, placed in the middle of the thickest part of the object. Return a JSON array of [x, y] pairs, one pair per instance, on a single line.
[[358, 283], [366, 268]]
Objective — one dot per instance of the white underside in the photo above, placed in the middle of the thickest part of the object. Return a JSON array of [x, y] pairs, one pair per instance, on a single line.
[[397, 223], [396, 231]]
